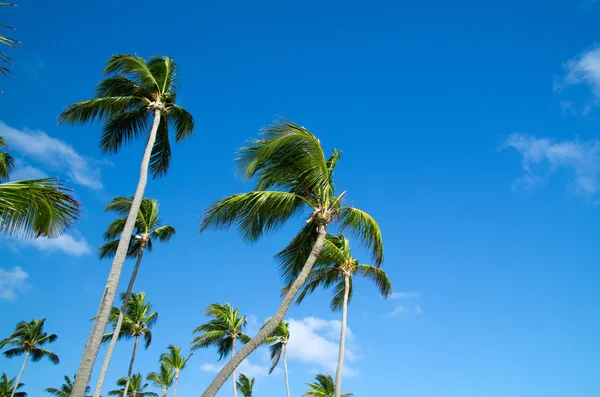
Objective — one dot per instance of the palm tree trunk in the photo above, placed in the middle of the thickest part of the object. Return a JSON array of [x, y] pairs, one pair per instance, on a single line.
[[115, 337], [14, 390], [287, 383], [135, 344], [164, 394], [268, 329], [338, 373], [93, 343], [176, 382], [233, 374]]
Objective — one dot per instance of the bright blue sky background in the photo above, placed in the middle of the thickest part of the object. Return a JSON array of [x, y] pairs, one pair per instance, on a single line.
[[493, 252]]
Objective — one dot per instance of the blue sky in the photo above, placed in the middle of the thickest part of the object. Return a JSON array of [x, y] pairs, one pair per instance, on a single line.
[[468, 130]]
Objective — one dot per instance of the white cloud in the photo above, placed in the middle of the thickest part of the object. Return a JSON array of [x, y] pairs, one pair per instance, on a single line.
[[247, 368], [53, 153], [406, 309], [64, 243], [542, 156], [23, 171], [584, 69], [252, 325], [316, 341], [12, 281], [405, 295]]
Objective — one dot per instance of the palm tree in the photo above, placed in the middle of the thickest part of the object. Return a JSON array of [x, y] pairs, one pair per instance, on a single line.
[[289, 160], [138, 319], [148, 228], [173, 359], [134, 92], [8, 387], [222, 331], [245, 385], [323, 387], [12, 43], [335, 267], [134, 387], [163, 378], [34, 208], [28, 339], [278, 344], [65, 389]]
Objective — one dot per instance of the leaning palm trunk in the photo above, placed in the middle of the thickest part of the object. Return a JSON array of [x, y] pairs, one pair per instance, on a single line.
[[270, 326], [19, 377], [135, 345], [340, 364], [117, 331], [287, 383], [233, 375], [176, 382], [93, 344]]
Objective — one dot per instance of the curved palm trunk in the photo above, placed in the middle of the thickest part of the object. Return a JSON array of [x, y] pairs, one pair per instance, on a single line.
[[338, 373], [115, 337], [176, 382], [287, 383], [268, 329], [137, 339], [14, 390], [93, 343], [164, 393], [233, 374]]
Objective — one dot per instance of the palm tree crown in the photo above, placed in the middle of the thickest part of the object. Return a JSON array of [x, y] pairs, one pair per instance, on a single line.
[[148, 227], [174, 359], [163, 378], [277, 341], [125, 101], [65, 389], [136, 387], [245, 385], [138, 319], [28, 338], [324, 386], [7, 387], [225, 327]]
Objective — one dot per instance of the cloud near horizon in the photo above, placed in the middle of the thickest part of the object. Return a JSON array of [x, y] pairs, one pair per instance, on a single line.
[[66, 244], [12, 281]]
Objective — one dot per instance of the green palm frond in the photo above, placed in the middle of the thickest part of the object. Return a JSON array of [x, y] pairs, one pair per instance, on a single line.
[[138, 319], [225, 326], [245, 385], [65, 389], [161, 152], [136, 387], [173, 358], [378, 276], [324, 386], [164, 378], [9, 42], [29, 337], [181, 121], [7, 162], [364, 227], [7, 385]]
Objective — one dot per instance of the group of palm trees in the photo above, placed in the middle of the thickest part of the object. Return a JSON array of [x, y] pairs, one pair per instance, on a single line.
[[291, 175]]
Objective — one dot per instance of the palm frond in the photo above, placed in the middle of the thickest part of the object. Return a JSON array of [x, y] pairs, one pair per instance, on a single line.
[[122, 127], [7, 163], [181, 121], [100, 109], [133, 67], [379, 277], [293, 257], [363, 226], [161, 151], [164, 233]]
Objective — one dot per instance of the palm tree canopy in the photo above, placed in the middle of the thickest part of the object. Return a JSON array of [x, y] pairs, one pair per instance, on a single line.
[[291, 174], [136, 387], [7, 41], [138, 319], [277, 341], [324, 386], [148, 227], [65, 389], [163, 378], [7, 162], [332, 264], [8, 385], [225, 327], [125, 100], [29, 337], [174, 359], [245, 385]]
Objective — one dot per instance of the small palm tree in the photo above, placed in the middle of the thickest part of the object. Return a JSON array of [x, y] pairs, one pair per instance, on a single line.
[[174, 360], [163, 378], [65, 389], [138, 320], [133, 386], [28, 339], [223, 331], [9, 388], [136, 100], [7, 41], [278, 346], [34, 208], [323, 387], [335, 267], [148, 228], [292, 175], [245, 385]]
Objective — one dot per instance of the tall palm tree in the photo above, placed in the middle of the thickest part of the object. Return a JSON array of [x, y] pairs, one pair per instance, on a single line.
[[163, 378], [148, 228], [223, 331], [323, 387], [134, 387], [9, 388], [138, 320], [245, 385], [278, 346], [65, 389], [34, 208], [28, 339], [289, 160], [335, 267], [173, 359], [7, 41], [134, 95]]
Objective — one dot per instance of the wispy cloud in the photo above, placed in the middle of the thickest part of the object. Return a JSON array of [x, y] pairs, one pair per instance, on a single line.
[[407, 306], [55, 154], [23, 171], [65, 243], [541, 157], [247, 367], [405, 295], [12, 281], [583, 70]]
